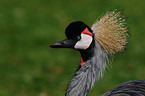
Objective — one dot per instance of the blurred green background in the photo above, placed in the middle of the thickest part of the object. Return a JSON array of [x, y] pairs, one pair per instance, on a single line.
[[28, 67]]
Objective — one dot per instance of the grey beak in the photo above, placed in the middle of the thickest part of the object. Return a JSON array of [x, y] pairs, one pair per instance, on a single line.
[[68, 43]]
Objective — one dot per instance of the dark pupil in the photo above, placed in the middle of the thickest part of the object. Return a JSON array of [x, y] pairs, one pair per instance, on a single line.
[[78, 38]]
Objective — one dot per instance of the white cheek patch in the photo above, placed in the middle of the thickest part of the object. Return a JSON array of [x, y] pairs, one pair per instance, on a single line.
[[84, 43]]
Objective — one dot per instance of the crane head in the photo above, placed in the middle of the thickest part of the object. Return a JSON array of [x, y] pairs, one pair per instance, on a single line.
[[79, 36]]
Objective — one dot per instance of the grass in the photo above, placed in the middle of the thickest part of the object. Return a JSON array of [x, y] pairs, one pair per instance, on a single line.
[[28, 67]]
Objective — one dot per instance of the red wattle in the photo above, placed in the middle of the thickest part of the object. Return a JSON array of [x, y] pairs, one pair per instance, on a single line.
[[82, 62]]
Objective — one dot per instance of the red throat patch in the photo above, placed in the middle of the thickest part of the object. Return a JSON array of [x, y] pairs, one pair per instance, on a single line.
[[86, 31], [82, 62]]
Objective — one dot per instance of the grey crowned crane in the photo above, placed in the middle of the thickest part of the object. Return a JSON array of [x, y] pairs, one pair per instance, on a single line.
[[107, 36]]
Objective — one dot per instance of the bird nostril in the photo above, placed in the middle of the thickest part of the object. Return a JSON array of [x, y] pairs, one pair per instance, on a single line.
[[62, 42]]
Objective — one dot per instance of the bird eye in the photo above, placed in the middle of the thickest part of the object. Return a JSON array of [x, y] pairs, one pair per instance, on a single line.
[[78, 38]]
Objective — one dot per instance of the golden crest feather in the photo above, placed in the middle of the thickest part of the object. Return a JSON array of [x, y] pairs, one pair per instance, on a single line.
[[111, 32]]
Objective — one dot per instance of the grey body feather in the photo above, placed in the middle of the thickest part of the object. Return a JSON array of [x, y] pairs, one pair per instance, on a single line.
[[88, 74], [129, 88]]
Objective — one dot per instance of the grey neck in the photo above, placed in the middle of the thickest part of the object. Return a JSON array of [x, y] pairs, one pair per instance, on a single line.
[[89, 73]]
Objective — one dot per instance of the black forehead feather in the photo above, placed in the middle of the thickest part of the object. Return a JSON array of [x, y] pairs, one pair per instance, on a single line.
[[75, 29]]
